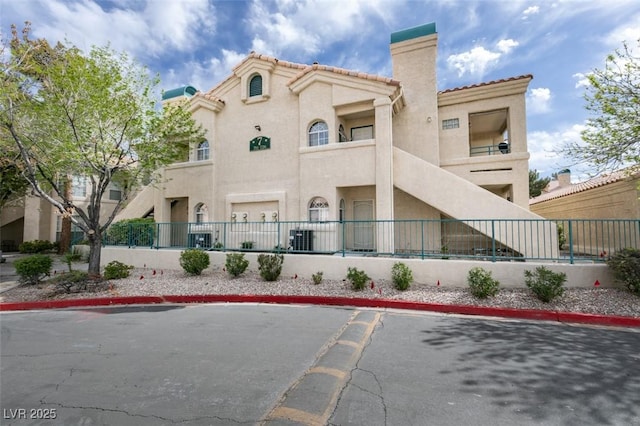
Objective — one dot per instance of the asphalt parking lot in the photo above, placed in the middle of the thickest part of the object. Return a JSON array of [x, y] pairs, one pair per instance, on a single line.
[[221, 364]]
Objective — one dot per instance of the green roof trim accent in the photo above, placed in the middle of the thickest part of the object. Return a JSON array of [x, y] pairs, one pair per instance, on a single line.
[[187, 91], [414, 32]]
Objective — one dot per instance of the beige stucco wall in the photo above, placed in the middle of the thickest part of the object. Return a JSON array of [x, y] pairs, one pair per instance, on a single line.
[[618, 200], [450, 273]]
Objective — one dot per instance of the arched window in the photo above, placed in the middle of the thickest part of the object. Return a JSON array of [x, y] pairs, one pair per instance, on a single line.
[[202, 213], [318, 134], [255, 85], [202, 153], [342, 136], [318, 210]]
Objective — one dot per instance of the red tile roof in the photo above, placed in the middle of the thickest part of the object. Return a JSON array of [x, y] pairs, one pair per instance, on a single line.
[[585, 186], [487, 83]]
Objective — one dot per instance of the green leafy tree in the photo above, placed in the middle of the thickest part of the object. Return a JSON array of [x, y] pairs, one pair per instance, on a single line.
[[612, 135], [536, 183], [92, 115]]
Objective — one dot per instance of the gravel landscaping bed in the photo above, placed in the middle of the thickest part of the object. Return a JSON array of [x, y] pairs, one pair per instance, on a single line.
[[147, 282]]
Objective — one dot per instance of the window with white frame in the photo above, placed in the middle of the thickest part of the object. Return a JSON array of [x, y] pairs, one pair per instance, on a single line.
[[202, 213], [79, 186], [202, 152], [255, 85], [318, 134], [318, 210], [450, 123]]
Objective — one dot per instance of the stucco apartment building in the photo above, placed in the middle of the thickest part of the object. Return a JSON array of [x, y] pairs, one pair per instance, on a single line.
[[320, 144], [315, 143]]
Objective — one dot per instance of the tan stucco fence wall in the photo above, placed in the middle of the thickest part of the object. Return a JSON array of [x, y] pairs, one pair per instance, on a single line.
[[450, 273]]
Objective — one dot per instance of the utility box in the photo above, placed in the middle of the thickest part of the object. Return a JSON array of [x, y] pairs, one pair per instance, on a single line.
[[200, 240], [301, 239]]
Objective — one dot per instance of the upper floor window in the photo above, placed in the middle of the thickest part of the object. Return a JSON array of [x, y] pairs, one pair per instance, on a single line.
[[361, 133], [202, 213], [79, 186], [115, 194], [202, 153], [451, 123], [318, 210], [255, 85], [318, 134]]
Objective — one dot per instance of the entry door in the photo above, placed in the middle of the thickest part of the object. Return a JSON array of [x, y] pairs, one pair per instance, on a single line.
[[363, 238]]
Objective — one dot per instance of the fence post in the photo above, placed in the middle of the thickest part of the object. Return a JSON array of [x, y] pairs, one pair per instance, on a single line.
[[343, 237], [422, 238], [570, 242], [157, 236], [224, 236], [493, 240]]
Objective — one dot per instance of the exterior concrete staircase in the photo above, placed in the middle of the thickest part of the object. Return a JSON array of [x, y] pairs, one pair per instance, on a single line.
[[139, 205], [515, 227]]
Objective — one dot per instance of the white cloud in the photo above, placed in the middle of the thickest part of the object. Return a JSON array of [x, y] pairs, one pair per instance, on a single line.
[[478, 61], [628, 32], [304, 27], [202, 75], [538, 100], [531, 10], [583, 81], [142, 29], [474, 62], [505, 46], [545, 151]]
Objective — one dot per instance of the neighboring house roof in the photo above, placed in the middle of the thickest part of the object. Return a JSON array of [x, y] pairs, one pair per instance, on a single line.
[[575, 188], [487, 83]]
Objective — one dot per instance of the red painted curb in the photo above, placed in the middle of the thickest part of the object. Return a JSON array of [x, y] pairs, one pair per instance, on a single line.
[[528, 314]]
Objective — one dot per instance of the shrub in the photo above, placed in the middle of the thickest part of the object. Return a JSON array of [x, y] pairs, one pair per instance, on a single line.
[[70, 257], [401, 276], [481, 284], [132, 232], [194, 261], [625, 265], [357, 278], [317, 277], [36, 246], [218, 245], [270, 266], [115, 270], [562, 239], [72, 281], [33, 269], [236, 264], [545, 284]]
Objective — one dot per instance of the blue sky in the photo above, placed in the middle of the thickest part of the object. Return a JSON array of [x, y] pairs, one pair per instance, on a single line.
[[198, 42]]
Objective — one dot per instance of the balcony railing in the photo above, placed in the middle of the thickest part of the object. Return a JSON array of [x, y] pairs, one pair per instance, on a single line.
[[571, 241], [501, 148]]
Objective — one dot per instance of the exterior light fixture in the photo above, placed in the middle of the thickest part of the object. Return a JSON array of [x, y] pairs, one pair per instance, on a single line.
[[257, 127]]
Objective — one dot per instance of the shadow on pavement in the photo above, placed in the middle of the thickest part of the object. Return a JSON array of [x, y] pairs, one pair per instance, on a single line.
[[525, 375]]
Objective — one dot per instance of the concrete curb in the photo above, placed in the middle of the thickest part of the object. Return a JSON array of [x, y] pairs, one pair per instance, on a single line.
[[528, 314]]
